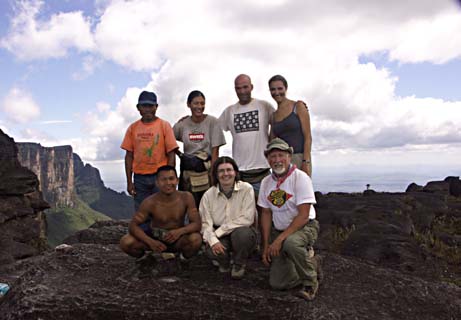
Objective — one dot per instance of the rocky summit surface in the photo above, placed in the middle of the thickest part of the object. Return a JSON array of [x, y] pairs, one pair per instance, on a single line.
[[382, 256], [93, 279]]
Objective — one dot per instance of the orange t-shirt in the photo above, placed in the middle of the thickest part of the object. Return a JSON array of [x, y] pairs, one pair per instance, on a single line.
[[150, 143]]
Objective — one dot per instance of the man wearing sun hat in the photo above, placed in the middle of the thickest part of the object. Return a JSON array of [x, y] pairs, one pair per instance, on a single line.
[[288, 220], [149, 144]]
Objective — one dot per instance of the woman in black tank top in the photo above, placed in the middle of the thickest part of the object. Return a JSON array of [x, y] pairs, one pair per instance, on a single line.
[[291, 123]]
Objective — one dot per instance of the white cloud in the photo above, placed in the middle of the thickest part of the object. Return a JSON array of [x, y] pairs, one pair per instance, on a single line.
[[89, 65], [204, 44], [19, 106], [430, 40], [102, 107], [55, 122], [31, 38]]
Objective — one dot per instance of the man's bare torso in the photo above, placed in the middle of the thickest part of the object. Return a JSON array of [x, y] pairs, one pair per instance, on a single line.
[[168, 212]]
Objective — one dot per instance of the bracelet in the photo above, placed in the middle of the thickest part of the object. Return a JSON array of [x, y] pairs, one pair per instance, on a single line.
[[306, 161]]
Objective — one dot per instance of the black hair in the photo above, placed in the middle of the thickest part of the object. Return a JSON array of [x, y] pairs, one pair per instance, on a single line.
[[194, 94], [167, 168], [278, 77], [219, 161]]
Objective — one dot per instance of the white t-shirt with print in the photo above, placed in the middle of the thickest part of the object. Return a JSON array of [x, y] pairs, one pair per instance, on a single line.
[[249, 126], [283, 202]]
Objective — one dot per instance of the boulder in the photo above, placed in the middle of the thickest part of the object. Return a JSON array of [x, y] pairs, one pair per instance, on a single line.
[[454, 186], [440, 187], [413, 187]]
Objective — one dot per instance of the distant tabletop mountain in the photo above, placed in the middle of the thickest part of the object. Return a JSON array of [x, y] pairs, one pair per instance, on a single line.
[[76, 192]]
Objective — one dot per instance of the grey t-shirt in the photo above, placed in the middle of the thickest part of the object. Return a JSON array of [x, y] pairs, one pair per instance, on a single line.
[[201, 136]]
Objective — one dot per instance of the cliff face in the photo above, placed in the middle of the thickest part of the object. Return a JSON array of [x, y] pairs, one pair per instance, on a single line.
[[22, 222], [63, 177], [91, 189], [55, 169]]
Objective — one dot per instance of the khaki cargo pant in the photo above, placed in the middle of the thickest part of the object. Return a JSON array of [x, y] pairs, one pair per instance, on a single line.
[[293, 267]]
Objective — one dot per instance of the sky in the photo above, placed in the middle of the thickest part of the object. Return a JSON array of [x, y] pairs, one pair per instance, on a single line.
[[380, 77]]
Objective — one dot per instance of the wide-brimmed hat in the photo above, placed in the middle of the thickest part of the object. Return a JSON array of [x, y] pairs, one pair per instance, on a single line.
[[147, 97], [278, 144]]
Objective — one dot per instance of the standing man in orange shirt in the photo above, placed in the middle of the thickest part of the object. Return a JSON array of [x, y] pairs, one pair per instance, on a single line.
[[149, 144]]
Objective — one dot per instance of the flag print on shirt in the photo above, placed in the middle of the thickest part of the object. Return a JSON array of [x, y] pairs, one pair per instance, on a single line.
[[247, 121]]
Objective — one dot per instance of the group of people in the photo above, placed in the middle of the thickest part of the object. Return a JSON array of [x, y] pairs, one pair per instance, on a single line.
[[263, 193]]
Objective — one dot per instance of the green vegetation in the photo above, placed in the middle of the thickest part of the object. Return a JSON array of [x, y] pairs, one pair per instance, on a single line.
[[62, 222], [440, 249]]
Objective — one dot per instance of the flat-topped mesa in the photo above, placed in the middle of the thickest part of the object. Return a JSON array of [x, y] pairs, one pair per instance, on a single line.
[[55, 168]]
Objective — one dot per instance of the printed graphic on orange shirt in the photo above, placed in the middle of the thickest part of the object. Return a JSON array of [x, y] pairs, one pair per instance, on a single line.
[[279, 197], [148, 152]]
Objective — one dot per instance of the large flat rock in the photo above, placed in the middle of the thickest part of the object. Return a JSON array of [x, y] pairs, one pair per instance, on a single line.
[[95, 281]]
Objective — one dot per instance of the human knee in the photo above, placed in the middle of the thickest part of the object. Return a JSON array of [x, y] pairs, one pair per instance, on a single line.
[[125, 243], [243, 235], [292, 244], [193, 240], [130, 246]]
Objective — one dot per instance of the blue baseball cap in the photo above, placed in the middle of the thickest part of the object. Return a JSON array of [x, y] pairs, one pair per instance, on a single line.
[[147, 97]]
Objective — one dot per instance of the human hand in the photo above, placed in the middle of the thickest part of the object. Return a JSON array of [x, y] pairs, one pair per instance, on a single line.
[[130, 188], [266, 257], [274, 248], [156, 246], [305, 104], [172, 235], [218, 248]]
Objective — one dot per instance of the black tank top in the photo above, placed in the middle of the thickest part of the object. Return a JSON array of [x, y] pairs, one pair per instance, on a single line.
[[290, 130]]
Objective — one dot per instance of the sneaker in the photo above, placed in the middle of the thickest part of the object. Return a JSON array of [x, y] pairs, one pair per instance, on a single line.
[[238, 271], [309, 292]]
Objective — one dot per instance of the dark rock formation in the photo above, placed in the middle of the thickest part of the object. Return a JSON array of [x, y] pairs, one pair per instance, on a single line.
[[440, 187], [102, 232], [98, 281], [413, 232], [22, 222], [454, 186], [413, 187], [449, 186]]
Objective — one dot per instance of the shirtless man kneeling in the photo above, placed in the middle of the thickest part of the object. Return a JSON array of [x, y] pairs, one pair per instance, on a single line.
[[158, 225]]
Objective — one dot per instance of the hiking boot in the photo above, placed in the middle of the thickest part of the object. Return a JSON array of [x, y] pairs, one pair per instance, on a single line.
[[308, 293], [238, 271]]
